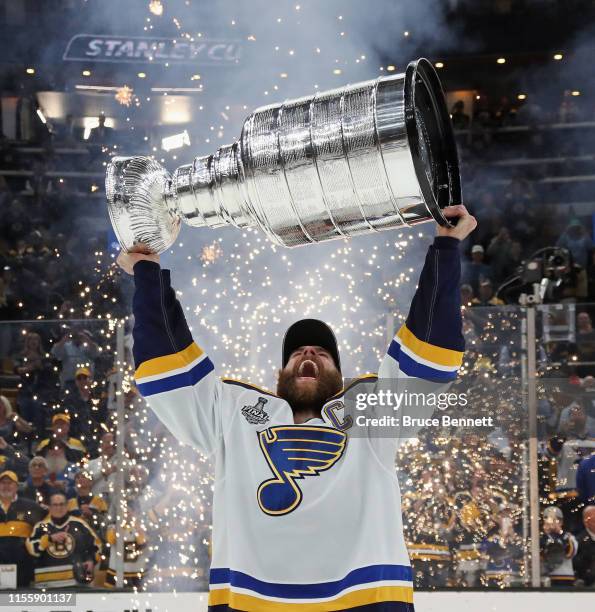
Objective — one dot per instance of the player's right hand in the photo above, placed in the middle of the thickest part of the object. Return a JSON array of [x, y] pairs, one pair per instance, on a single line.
[[466, 222], [126, 261]]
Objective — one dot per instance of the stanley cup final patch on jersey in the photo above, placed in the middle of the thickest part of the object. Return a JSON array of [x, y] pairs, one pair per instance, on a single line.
[[294, 452], [255, 415]]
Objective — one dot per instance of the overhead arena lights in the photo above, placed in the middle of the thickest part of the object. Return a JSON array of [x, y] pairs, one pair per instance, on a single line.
[[176, 89], [176, 141], [95, 88]]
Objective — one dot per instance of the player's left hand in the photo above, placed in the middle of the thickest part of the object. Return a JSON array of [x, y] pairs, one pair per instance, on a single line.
[[465, 225]]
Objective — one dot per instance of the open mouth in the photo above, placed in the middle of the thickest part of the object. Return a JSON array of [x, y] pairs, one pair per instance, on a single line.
[[308, 370]]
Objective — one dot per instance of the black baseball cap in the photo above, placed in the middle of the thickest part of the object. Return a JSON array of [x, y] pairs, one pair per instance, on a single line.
[[310, 332]]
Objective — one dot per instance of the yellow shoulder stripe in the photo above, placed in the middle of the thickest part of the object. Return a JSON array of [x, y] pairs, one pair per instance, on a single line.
[[161, 365], [354, 382], [248, 384], [436, 354]]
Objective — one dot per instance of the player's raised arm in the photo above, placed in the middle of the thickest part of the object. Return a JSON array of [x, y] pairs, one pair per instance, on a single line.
[[173, 373], [430, 344]]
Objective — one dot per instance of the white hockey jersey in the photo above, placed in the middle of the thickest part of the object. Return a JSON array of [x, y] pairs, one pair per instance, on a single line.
[[305, 517]]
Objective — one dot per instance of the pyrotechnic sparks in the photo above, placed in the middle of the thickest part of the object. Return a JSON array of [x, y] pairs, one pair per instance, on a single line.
[[210, 253], [156, 7], [124, 95]]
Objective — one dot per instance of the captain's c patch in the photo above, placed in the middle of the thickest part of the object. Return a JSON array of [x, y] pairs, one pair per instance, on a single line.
[[293, 452]]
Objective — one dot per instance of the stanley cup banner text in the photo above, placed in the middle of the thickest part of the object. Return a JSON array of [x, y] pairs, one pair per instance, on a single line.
[[136, 49]]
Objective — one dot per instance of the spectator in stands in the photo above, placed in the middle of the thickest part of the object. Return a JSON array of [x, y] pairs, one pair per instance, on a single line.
[[584, 325], [569, 111], [558, 548], [65, 548], [585, 480], [486, 295], [75, 449], [79, 402], [74, 350], [101, 135], [585, 343], [18, 515], [501, 254], [61, 471], [13, 428], [584, 562], [15, 221], [475, 270], [466, 294], [504, 111], [576, 239], [12, 459], [575, 422], [103, 469], [9, 309], [32, 365], [37, 486], [67, 133], [460, 120], [92, 508]]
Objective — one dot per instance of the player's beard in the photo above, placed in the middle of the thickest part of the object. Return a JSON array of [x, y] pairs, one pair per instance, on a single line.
[[308, 397]]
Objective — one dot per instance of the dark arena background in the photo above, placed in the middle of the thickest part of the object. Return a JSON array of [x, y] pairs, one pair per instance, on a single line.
[[500, 519]]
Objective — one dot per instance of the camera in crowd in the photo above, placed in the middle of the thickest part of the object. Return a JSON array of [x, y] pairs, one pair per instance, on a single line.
[[551, 268]]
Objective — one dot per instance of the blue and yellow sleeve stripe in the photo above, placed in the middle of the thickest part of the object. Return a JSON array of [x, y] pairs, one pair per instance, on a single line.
[[421, 359], [182, 369]]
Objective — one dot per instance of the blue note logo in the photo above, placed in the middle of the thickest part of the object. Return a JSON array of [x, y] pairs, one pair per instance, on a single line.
[[293, 452]]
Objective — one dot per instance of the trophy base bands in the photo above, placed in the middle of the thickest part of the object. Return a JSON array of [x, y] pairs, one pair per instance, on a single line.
[[38, 598]]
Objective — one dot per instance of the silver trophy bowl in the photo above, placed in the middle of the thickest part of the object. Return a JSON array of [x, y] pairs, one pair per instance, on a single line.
[[363, 158]]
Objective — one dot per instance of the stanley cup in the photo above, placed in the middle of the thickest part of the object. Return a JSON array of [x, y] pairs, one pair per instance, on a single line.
[[363, 158]]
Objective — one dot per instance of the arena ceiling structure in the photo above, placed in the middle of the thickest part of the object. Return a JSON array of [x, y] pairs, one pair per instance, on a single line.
[[200, 66]]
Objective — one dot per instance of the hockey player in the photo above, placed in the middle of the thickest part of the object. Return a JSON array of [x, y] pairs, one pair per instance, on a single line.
[[303, 514], [558, 548]]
